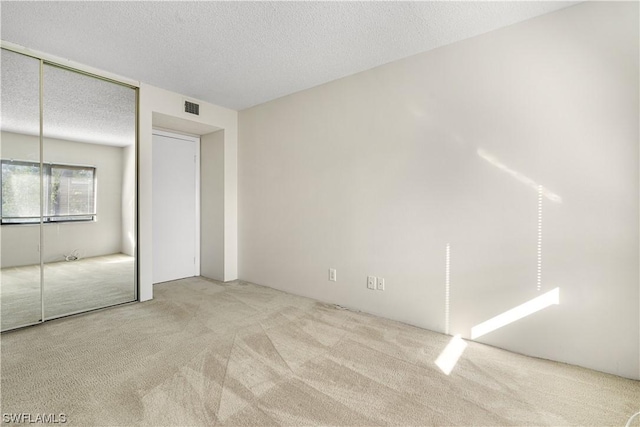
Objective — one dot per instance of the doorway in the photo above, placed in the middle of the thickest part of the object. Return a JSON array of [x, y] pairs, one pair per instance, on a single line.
[[176, 222]]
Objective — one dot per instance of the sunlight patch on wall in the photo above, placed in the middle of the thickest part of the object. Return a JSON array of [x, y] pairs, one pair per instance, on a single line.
[[447, 283], [539, 303], [539, 249]]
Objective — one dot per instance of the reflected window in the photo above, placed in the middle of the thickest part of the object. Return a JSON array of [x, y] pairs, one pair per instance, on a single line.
[[69, 193]]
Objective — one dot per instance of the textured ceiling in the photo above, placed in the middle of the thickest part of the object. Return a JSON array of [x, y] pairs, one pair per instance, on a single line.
[[239, 54], [76, 107]]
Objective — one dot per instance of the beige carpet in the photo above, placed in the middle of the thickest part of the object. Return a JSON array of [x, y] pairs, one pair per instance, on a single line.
[[204, 353], [70, 287]]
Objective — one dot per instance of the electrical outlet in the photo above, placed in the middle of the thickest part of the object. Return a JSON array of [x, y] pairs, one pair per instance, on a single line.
[[332, 275], [371, 282], [380, 284]]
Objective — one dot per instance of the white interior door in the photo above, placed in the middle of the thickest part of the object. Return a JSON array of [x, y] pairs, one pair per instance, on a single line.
[[175, 184]]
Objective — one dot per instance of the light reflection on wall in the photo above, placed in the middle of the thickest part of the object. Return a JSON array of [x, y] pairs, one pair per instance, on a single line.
[[542, 193], [491, 159], [447, 284], [539, 250], [449, 357], [523, 310]]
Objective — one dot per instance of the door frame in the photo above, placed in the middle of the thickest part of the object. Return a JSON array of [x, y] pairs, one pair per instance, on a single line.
[[196, 140]]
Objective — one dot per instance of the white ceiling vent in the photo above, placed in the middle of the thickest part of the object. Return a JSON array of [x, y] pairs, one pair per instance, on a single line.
[[192, 108]]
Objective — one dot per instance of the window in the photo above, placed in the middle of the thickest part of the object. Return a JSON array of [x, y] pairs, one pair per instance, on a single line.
[[69, 193]]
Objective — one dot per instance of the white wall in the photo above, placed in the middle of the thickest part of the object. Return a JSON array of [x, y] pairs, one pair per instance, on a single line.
[[165, 104], [212, 205], [128, 200], [102, 237], [376, 173]]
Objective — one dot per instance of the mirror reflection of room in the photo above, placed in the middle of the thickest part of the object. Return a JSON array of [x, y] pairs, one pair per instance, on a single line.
[[68, 196]]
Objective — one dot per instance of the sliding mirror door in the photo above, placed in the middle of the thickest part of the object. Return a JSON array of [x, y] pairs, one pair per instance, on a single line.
[[68, 208], [89, 128], [20, 281]]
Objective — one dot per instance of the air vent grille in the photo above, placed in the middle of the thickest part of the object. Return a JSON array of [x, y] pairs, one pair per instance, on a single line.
[[192, 108]]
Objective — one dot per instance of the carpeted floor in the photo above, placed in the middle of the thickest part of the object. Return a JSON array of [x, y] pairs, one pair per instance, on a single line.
[[204, 353], [70, 287]]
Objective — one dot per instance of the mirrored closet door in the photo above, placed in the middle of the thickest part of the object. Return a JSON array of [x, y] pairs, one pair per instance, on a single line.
[[68, 211], [20, 274]]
